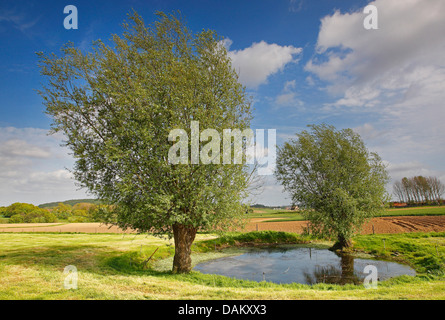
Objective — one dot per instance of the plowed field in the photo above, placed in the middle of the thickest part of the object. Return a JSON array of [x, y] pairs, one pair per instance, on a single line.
[[400, 224], [377, 225]]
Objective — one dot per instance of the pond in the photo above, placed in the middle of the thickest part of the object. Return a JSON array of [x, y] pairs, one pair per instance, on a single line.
[[301, 265]]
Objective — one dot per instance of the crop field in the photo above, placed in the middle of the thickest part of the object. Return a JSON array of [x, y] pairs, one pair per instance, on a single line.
[[424, 219], [420, 219]]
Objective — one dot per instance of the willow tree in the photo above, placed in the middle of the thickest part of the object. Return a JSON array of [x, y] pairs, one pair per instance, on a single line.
[[117, 105], [332, 174]]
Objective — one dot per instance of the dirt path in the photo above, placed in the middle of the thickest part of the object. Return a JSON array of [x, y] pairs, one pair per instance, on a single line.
[[378, 225]]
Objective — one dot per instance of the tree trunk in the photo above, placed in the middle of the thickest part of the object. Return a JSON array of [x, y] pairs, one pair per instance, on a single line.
[[184, 237], [342, 243], [347, 269]]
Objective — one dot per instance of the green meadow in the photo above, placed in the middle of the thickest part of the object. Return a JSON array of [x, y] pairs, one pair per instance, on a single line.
[[117, 266]]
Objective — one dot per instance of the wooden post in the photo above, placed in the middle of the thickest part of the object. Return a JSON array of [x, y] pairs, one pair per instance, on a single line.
[[145, 262]]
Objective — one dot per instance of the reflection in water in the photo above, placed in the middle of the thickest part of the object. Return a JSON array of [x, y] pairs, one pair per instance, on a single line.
[[335, 275], [300, 265]]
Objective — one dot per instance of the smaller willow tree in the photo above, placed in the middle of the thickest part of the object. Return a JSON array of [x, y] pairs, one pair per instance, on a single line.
[[333, 175], [118, 105]]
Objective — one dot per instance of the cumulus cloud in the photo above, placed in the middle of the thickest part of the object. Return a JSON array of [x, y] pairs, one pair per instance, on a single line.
[[368, 132], [33, 167], [271, 193], [400, 170], [410, 33], [257, 62], [17, 147], [395, 74], [408, 47]]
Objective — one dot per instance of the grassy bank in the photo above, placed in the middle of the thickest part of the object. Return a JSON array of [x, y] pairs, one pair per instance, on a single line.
[[111, 266]]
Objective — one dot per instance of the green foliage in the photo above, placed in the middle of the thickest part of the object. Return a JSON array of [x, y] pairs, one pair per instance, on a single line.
[[17, 218], [424, 251], [27, 213], [335, 178], [19, 208], [36, 215], [80, 212], [83, 206], [116, 106], [415, 211], [78, 218], [62, 211]]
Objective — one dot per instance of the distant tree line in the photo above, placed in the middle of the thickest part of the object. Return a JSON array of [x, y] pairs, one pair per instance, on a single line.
[[419, 189], [28, 213], [71, 203]]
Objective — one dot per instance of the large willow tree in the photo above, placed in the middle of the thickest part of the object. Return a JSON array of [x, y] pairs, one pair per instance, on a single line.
[[335, 177], [118, 103]]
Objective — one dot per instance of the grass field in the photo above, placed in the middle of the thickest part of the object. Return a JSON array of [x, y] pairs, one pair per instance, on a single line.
[[288, 215], [110, 266], [415, 211]]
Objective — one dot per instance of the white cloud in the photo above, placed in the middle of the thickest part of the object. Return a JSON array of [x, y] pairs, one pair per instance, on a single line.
[[407, 44], [33, 167], [409, 32], [17, 147], [398, 171], [257, 62], [285, 99], [368, 132], [271, 193], [395, 74], [288, 96]]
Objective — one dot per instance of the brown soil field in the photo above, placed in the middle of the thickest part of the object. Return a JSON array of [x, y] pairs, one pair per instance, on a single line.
[[400, 224]]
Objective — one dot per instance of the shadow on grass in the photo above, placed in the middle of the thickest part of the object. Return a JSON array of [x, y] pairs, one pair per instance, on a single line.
[[91, 258], [103, 260]]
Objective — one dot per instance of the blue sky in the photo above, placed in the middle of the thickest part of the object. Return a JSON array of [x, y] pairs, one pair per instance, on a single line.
[[302, 61]]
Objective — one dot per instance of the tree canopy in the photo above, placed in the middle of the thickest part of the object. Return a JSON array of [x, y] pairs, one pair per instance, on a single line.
[[116, 107], [419, 189], [331, 173]]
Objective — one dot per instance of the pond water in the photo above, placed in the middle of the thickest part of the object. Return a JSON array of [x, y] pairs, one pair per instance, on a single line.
[[301, 265]]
